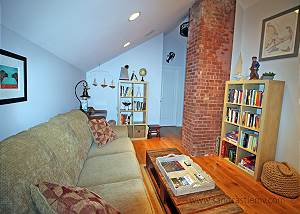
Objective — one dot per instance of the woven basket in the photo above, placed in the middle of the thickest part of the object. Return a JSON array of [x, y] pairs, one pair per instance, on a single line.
[[281, 179]]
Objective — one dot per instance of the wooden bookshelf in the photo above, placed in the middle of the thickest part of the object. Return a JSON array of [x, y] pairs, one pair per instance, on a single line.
[[135, 93], [247, 105]]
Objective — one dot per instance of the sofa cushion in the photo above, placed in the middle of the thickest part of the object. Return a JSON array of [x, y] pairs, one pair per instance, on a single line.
[[61, 140], [117, 146], [127, 196], [102, 131], [109, 168], [25, 159], [55, 198], [78, 122]]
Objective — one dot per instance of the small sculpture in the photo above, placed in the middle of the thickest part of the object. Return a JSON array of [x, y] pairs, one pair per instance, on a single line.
[[254, 69], [143, 72], [133, 77], [170, 57], [124, 73]]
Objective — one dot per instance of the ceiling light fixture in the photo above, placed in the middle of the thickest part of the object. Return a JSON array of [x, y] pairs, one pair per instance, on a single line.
[[134, 16], [127, 44]]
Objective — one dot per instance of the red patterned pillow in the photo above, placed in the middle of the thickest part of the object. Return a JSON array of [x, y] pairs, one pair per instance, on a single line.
[[102, 131], [66, 199]]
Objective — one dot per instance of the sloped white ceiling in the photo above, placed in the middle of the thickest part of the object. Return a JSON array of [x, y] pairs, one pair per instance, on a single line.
[[86, 33]]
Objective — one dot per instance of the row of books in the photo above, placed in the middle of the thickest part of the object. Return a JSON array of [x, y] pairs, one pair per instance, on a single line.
[[253, 97], [126, 119], [126, 91], [228, 150], [251, 120], [249, 140], [139, 106], [232, 136], [233, 115], [235, 96], [248, 162]]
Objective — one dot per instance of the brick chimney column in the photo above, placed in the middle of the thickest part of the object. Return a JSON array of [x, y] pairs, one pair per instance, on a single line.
[[207, 68]]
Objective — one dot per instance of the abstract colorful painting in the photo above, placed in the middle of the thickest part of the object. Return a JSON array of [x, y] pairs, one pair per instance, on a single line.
[[8, 77], [13, 77], [280, 35]]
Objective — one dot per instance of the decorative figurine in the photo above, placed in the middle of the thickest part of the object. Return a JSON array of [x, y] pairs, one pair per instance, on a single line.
[[124, 73], [254, 69], [133, 77], [170, 57], [143, 72], [95, 82]]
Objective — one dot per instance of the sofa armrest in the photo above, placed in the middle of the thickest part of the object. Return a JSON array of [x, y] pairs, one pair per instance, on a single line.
[[121, 131]]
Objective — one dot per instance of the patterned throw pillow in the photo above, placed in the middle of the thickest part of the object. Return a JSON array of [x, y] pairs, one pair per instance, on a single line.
[[54, 198], [102, 131]]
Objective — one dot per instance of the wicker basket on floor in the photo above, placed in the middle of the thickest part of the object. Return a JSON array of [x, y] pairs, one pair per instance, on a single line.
[[281, 179]]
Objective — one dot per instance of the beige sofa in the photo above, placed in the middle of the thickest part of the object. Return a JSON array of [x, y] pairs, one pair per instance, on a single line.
[[62, 151]]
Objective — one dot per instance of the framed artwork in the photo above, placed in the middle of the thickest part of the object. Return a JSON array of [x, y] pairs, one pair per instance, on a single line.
[[13, 78], [280, 35]]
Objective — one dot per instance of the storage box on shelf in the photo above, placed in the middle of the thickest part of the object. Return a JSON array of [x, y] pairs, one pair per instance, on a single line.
[[133, 107], [250, 123]]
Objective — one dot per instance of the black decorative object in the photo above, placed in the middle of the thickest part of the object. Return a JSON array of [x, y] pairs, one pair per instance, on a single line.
[[85, 95], [184, 29], [13, 78], [170, 57]]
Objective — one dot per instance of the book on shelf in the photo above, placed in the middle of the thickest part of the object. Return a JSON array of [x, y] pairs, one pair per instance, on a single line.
[[248, 162], [126, 91], [235, 96], [172, 166], [232, 136], [233, 115], [126, 119], [251, 120], [253, 97], [139, 106], [232, 153], [249, 140]]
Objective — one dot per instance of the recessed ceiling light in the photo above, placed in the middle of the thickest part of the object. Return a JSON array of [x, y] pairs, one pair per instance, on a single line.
[[127, 44], [134, 16]]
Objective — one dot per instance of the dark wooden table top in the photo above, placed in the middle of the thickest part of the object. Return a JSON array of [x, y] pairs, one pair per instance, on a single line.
[[211, 201]]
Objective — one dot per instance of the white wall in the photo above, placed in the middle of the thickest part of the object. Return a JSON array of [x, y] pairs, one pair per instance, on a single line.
[[147, 55], [51, 84], [286, 69], [237, 37], [176, 43]]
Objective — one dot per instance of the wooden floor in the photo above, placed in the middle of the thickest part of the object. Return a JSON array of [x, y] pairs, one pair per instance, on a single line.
[[249, 194]]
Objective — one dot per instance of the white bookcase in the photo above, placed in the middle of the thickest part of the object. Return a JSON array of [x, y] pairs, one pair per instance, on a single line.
[[133, 107]]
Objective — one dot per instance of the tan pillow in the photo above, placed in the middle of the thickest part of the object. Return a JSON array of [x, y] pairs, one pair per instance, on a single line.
[[50, 198], [102, 131]]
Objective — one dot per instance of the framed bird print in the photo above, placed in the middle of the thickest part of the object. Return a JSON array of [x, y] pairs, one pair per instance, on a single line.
[[280, 35], [13, 78]]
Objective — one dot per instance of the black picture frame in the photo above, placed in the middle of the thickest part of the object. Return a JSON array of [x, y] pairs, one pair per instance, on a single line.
[[24, 88], [296, 38]]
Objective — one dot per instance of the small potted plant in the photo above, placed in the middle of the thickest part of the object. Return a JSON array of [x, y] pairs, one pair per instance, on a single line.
[[268, 76]]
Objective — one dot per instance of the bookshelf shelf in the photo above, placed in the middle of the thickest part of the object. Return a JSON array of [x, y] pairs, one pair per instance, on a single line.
[[235, 124], [251, 106], [248, 150], [250, 128], [251, 117], [228, 141], [133, 96]]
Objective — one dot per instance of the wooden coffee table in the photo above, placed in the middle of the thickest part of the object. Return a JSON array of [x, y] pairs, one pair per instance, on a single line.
[[212, 201]]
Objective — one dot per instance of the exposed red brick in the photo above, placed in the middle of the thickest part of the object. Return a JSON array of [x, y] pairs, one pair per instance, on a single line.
[[208, 67]]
